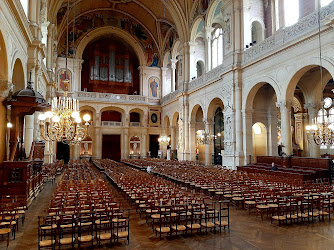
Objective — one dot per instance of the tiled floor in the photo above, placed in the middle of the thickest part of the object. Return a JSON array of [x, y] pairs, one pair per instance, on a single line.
[[247, 232]]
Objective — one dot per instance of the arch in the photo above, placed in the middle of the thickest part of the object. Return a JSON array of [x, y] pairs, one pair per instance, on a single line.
[[91, 36], [166, 122], [303, 67], [175, 48], [114, 108], [3, 59], [212, 12], [257, 28], [197, 27], [18, 75], [194, 107], [214, 104], [200, 68], [175, 119], [166, 60], [89, 108], [259, 135], [250, 93]]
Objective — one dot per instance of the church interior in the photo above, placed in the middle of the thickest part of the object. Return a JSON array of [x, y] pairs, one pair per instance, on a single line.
[[166, 124]]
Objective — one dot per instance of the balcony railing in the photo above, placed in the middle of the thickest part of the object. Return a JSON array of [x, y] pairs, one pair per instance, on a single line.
[[111, 124], [116, 98]]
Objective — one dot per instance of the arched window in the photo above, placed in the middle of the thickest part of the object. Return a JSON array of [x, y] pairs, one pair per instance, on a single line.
[[25, 5], [257, 32], [291, 12], [200, 68], [325, 2], [217, 47]]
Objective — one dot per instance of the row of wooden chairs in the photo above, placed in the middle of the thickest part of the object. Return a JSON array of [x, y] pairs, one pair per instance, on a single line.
[[168, 207], [82, 229]]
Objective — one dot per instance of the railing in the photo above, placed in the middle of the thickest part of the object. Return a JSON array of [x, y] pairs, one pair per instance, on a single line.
[[306, 24], [116, 98], [111, 124], [135, 124]]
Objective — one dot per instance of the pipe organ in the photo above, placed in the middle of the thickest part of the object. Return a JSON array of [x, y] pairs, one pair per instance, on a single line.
[[110, 68]]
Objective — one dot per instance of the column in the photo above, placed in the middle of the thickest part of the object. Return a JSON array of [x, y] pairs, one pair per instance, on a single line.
[[164, 82], [143, 144], [247, 135], [237, 26], [192, 62], [314, 149], [272, 134], [208, 154], [192, 140], [28, 133], [173, 69], [285, 109], [281, 14], [97, 152], [208, 34], [173, 138], [238, 125], [33, 16], [141, 81], [186, 129], [125, 143]]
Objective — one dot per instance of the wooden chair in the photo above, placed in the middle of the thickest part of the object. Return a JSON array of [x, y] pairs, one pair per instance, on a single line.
[[66, 230], [121, 226], [47, 229]]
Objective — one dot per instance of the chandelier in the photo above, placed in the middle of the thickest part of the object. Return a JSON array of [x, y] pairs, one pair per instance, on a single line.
[[164, 140], [204, 137], [322, 127], [63, 123]]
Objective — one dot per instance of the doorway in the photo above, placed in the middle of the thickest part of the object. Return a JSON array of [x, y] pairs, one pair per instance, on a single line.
[[154, 145], [111, 147], [63, 152]]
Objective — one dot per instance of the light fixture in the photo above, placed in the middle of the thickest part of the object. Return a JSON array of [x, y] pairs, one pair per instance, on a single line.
[[63, 122], [204, 138], [164, 140], [9, 125], [322, 128]]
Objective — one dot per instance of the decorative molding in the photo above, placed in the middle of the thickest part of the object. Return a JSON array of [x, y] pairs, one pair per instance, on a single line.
[[5, 88]]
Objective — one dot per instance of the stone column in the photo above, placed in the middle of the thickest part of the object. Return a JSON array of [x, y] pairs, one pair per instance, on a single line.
[[192, 62], [238, 126], [125, 143], [272, 134], [186, 129], [141, 81], [314, 149], [285, 109], [281, 14], [192, 140], [173, 69], [208, 55], [208, 153], [97, 152], [28, 133], [5, 87], [164, 90], [49, 56], [247, 134], [34, 16], [143, 143], [173, 138]]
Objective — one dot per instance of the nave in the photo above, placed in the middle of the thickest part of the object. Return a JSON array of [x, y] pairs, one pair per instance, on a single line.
[[246, 231]]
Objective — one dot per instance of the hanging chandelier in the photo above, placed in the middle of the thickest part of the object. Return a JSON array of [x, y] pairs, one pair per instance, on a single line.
[[322, 127], [204, 137], [164, 140], [63, 123]]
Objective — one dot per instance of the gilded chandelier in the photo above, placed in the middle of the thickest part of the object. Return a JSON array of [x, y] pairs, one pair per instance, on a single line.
[[63, 122], [204, 137], [164, 140]]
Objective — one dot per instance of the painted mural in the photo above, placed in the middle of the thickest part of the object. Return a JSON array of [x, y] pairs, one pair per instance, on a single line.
[[171, 37], [94, 20], [62, 76], [154, 86]]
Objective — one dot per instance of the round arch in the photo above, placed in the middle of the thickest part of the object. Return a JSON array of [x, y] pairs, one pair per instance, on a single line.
[[116, 31], [175, 48], [18, 75], [303, 67], [214, 104], [250, 93], [196, 25], [3, 59], [210, 13], [114, 108], [166, 122], [174, 119], [89, 108]]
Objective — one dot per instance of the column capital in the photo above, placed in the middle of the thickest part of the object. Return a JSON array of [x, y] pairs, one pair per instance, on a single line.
[[208, 32], [312, 106], [284, 104], [5, 88]]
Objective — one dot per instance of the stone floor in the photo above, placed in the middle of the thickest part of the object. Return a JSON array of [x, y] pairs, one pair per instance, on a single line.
[[247, 232]]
